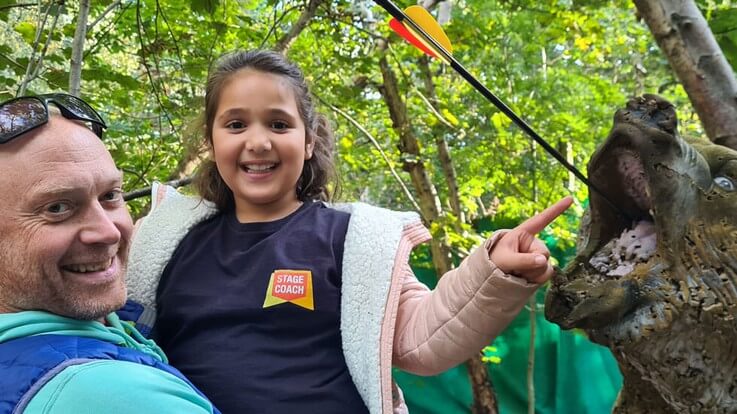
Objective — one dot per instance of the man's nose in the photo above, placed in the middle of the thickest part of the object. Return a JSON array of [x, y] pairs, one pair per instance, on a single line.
[[99, 227]]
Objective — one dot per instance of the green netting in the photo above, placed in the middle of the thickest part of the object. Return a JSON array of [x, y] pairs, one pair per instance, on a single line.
[[572, 375]]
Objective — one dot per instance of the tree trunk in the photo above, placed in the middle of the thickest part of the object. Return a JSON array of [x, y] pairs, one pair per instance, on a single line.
[[446, 162], [75, 69], [483, 393], [409, 147], [694, 55], [484, 400]]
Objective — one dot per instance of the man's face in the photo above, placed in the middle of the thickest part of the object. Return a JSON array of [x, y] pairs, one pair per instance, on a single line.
[[64, 227]]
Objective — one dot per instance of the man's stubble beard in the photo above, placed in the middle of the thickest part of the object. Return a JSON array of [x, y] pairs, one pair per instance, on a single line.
[[19, 293]]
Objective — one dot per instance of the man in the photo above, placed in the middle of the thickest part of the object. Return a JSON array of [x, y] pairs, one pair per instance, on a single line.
[[64, 233]]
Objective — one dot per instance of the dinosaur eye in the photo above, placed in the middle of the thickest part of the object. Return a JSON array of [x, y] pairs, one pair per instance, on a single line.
[[724, 183]]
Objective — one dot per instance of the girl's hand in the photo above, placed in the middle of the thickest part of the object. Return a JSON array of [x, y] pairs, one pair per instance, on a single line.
[[520, 253]]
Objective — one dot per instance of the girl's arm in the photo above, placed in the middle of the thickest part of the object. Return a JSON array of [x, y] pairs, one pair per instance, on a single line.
[[437, 330]]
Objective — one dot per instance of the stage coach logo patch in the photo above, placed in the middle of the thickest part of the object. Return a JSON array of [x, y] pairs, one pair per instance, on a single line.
[[290, 286]]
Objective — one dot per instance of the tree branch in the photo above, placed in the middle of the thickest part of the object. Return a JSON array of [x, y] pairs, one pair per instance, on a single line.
[[532, 301], [106, 30], [304, 19], [31, 61], [378, 148], [39, 64], [277, 21], [139, 26], [80, 34], [143, 192], [176, 47], [10, 6], [104, 13]]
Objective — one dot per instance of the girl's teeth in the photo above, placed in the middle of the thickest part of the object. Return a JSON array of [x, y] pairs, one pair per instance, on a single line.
[[260, 168]]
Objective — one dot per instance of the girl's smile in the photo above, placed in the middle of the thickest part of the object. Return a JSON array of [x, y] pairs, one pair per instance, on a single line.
[[258, 167]]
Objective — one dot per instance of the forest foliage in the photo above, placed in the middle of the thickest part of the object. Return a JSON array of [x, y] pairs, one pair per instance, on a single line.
[[564, 66]]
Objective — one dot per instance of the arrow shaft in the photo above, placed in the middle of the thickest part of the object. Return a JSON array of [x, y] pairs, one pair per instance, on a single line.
[[399, 14], [519, 122], [392, 9]]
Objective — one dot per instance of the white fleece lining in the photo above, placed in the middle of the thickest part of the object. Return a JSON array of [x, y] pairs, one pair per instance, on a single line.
[[156, 239], [412, 235], [371, 245]]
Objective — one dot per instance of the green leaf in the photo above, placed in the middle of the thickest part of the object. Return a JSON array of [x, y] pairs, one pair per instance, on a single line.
[[723, 21], [27, 30]]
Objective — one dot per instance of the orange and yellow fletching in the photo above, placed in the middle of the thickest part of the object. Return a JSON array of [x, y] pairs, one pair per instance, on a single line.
[[423, 19]]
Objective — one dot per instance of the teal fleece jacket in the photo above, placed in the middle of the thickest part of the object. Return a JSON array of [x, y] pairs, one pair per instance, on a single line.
[[106, 386]]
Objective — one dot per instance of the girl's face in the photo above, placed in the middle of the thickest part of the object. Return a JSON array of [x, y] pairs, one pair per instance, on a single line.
[[259, 144]]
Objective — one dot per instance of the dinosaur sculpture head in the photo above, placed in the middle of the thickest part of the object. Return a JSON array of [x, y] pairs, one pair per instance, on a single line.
[[656, 281]]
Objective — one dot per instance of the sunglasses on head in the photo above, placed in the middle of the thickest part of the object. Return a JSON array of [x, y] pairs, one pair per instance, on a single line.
[[20, 115]]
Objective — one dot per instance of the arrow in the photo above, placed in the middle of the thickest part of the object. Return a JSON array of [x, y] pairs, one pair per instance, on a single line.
[[419, 15], [417, 26]]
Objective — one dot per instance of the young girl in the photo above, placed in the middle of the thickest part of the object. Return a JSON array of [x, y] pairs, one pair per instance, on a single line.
[[271, 301]]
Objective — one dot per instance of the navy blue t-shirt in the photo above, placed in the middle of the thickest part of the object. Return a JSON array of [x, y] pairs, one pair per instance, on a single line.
[[250, 313]]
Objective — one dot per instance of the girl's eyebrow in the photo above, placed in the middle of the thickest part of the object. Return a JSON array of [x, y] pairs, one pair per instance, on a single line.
[[280, 112], [231, 112], [275, 111]]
